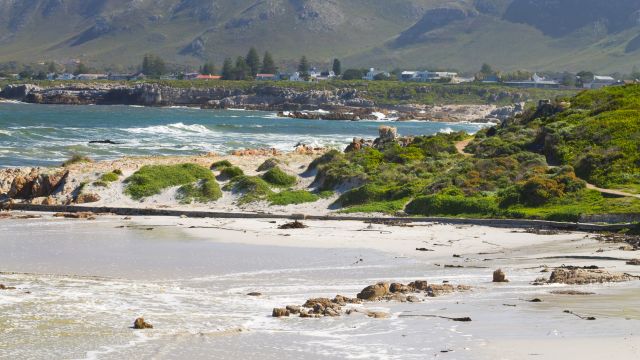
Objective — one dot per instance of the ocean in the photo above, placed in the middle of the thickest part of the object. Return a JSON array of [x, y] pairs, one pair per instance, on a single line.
[[46, 135]]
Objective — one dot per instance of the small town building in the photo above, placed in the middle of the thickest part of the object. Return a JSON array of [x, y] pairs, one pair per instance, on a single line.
[[600, 82], [266, 77], [91, 77], [372, 73], [536, 81]]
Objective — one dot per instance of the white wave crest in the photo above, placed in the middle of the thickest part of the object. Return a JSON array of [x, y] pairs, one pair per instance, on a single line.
[[446, 130], [171, 129]]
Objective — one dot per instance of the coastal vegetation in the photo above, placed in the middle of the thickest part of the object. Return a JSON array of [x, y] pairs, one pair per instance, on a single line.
[[108, 178], [152, 180], [536, 165], [76, 159], [276, 177]]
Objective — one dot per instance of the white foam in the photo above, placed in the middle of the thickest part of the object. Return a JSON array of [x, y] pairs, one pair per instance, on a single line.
[[171, 129]]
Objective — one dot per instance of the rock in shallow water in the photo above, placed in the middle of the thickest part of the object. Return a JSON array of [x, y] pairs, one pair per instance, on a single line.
[[140, 324]]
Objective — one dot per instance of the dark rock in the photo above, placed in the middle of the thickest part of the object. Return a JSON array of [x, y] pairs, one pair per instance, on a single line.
[[374, 292], [279, 312], [293, 225], [254, 294], [419, 285], [499, 276], [140, 324]]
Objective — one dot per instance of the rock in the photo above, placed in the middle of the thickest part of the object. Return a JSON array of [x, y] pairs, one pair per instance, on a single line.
[[438, 290], [4, 287], [374, 292], [571, 292], [320, 305], [413, 299], [377, 315], [293, 225], [254, 294], [536, 300], [399, 297], [343, 300], [499, 276], [634, 262], [293, 309], [580, 276], [419, 285], [79, 215], [86, 198], [140, 324], [279, 312], [49, 201], [399, 288]]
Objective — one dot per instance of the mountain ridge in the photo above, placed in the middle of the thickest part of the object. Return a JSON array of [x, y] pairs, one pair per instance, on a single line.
[[510, 34]]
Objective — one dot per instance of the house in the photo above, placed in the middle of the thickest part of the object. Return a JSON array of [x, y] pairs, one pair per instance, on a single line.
[[91, 77], [66, 76], [371, 75], [119, 77], [296, 76], [600, 82], [536, 81], [137, 76], [326, 75], [208, 77], [462, 80], [266, 77], [427, 76], [408, 75]]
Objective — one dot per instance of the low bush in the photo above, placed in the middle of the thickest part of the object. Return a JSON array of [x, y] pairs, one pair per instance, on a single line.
[[76, 159], [268, 164], [289, 197], [277, 177], [204, 192], [230, 172], [152, 179], [252, 188], [221, 164], [452, 205]]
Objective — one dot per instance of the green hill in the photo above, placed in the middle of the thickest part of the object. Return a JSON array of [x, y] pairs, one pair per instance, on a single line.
[[511, 34]]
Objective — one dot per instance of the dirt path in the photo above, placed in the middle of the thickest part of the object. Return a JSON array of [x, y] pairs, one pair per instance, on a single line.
[[612, 192], [461, 145]]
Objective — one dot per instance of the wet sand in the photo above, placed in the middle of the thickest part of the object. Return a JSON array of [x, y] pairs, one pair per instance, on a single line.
[[88, 280]]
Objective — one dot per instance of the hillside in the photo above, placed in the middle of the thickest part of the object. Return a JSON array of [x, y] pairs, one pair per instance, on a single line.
[[511, 34]]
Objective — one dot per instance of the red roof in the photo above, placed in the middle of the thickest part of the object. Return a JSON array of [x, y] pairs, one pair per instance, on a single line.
[[208, 77]]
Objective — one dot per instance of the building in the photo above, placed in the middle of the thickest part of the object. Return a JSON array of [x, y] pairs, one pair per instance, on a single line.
[[536, 81], [427, 76], [119, 77], [91, 77], [266, 77], [600, 82], [371, 75], [296, 76]]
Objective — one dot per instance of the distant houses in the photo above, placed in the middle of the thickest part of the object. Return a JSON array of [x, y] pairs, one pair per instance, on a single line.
[[536, 81], [599, 82], [429, 76], [374, 74]]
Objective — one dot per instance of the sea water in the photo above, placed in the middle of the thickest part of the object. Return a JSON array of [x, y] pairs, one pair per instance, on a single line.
[[37, 135]]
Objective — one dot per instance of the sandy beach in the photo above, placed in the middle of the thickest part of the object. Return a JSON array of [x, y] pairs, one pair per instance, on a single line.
[[190, 278]]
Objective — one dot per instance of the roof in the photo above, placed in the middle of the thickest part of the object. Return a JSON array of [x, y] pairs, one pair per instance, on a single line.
[[209, 77], [603, 78], [265, 75]]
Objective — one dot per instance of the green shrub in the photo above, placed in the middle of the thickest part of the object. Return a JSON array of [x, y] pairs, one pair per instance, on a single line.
[[452, 205], [152, 179], [100, 183], [564, 216], [252, 188], [230, 172], [204, 192], [374, 193], [326, 158], [118, 172], [76, 159], [277, 177], [268, 164], [110, 177], [289, 197], [221, 164], [540, 190]]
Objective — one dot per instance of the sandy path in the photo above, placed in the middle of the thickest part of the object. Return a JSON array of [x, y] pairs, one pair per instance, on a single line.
[[461, 145]]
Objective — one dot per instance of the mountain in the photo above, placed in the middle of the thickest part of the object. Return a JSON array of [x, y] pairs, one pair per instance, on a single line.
[[509, 34]]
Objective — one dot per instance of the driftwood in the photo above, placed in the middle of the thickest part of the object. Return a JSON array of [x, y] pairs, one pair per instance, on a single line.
[[462, 319]]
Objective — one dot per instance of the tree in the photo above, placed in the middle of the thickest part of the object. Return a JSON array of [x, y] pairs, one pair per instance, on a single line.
[[353, 74], [568, 79], [228, 70], [303, 66], [635, 73], [51, 67], [208, 68], [584, 77], [253, 62], [487, 70], [81, 69], [242, 69], [153, 65], [268, 65], [337, 67], [382, 76]]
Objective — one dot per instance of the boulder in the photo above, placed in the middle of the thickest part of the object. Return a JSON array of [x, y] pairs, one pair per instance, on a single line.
[[293, 309], [399, 288], [254, 294], [377, 315], [140, 324], [419, 285], [413, 299], [279, 312], [4, 287], [499, 276], [634, 262], [86, 198], [374, 292], [580, 276]]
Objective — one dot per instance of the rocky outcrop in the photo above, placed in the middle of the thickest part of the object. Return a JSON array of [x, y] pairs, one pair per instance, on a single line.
[[374, 292], [499, 276], [30, 183], [18, 92], [140, 324], [582, 276]]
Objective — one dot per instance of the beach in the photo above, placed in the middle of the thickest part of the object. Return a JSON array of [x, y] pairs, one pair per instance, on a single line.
[[81, 283]]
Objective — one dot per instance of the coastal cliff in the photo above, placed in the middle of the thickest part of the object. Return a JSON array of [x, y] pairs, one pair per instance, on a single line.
[[339, 103]]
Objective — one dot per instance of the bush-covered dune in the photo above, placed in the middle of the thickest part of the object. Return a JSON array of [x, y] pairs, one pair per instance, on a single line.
[[536, 165]]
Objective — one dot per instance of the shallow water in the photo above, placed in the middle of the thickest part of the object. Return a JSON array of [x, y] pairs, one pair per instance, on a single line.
[[87, 281], [48, 134]]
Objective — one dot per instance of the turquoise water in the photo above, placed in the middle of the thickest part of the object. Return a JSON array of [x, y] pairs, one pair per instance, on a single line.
[[41, 135]]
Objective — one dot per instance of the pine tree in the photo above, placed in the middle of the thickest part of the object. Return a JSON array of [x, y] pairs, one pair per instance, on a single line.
[[228, 72], [268, 65], [303, 66], [253, 62], [242, 69], [81, 69], [153, 65], [208, 69], [337, 67]]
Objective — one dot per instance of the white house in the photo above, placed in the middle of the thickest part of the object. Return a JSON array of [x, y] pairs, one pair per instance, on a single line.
[[427, 76], [91, 77], [600, 82], [65, 76], [296, 76], [370, 76], [536, 81]]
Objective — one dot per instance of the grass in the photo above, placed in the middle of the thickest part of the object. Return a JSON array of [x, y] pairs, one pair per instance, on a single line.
[[385, 207], [107, 178], [152, 180], [268, 164], [293, 197], [252, 188], [221, 164], [230, 172], [275, 176], [204, 192], [77, 159]]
